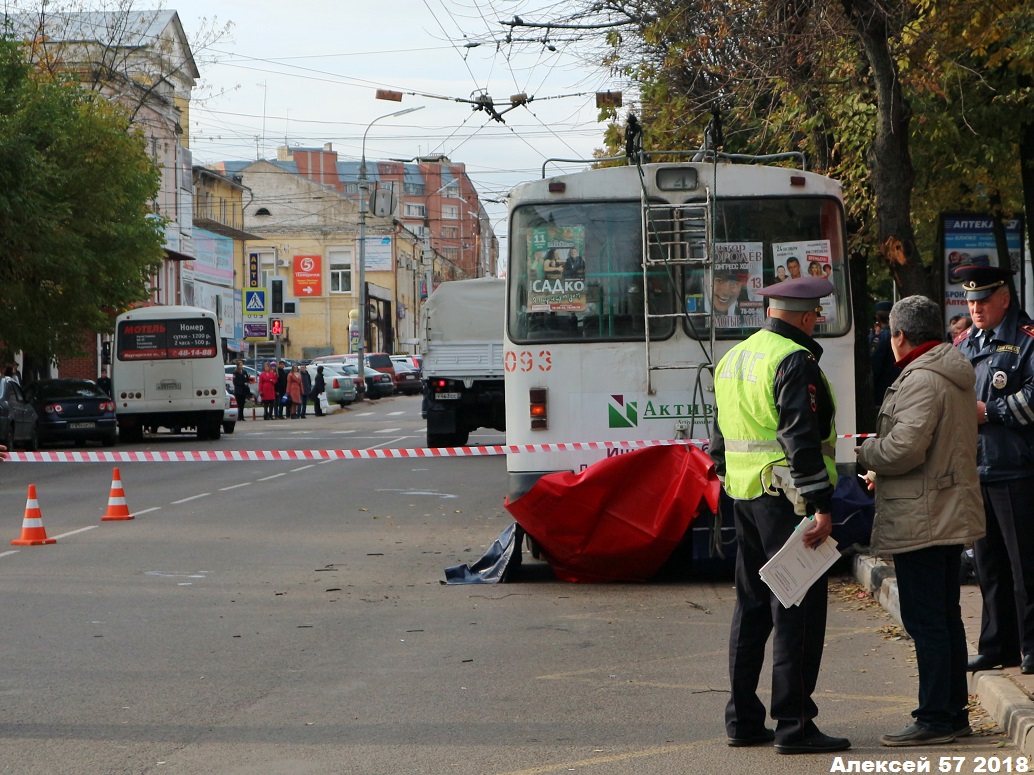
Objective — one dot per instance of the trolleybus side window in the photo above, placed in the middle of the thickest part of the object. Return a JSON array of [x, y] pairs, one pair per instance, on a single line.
[[760, 241], [578, 274]]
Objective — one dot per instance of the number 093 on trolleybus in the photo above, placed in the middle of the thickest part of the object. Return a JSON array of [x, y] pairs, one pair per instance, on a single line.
[[626, 285], [168, 371]]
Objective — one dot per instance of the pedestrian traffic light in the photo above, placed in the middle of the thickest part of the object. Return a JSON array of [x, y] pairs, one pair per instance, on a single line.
[[276, 292], [276, 326]]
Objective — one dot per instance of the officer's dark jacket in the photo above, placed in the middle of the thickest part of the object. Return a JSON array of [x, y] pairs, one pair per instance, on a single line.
[[802, 426], [1005, 445]]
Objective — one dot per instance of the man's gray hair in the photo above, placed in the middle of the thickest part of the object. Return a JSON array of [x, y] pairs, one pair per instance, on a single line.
[[919, 319]]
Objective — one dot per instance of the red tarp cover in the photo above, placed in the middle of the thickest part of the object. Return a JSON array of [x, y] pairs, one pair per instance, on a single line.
[[621, 518]]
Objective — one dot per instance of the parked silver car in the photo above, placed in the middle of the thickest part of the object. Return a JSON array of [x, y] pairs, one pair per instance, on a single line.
[[340, 386]]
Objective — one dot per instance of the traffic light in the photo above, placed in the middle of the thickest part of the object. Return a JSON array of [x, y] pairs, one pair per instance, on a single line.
[[276, 326], [276, 292]]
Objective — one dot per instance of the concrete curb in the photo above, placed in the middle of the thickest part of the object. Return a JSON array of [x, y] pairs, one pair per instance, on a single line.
[[999, 695]]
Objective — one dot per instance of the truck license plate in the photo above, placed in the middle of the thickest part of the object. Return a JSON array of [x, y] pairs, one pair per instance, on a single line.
[[447, 396]]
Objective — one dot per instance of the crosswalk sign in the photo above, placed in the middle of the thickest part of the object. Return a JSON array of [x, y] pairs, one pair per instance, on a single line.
[[255, 301]]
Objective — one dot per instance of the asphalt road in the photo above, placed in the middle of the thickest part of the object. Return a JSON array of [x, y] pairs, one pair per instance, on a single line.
[[289, 618]]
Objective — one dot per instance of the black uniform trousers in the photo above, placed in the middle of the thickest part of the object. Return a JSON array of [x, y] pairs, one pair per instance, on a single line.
[[762, 527], [929, 590], [1004, 560]]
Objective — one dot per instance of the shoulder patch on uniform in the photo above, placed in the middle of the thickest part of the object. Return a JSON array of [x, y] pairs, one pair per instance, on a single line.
[[1028, 329]]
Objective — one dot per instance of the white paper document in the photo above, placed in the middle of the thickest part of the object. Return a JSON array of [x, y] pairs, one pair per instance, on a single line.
[[795, 567]]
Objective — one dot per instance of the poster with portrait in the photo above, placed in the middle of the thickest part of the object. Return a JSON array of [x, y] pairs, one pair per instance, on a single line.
[[814, 258], [736, 279], [556, 269]]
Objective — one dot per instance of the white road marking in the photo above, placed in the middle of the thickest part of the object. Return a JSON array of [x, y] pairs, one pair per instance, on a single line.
[[73, 532], [294, 470], [389, 430], [191, 498], [235, 486], [274, 476], [147, 511], [394, 413]]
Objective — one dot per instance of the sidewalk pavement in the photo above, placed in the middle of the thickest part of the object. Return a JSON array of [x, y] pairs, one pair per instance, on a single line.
[[1005, 694]]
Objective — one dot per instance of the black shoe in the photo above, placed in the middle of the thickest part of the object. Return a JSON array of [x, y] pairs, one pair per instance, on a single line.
[[963, 731], [917, 734], [983, 662], [1027, 665], [763, 737], [816, 742]]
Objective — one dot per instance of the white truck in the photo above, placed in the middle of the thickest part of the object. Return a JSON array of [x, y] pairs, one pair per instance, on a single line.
[[462, 344]]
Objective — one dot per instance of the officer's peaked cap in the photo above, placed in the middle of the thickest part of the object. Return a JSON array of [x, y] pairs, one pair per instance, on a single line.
[[979, 282], [797, 295]]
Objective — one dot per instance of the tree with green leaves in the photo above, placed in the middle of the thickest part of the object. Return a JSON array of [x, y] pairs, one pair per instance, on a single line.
[[78, 238]]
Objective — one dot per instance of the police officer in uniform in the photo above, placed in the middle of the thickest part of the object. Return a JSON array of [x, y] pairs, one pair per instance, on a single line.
[[1000, 345], [775, 410]]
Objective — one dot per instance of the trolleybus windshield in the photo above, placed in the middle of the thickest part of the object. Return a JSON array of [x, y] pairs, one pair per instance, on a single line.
[[576, 268]]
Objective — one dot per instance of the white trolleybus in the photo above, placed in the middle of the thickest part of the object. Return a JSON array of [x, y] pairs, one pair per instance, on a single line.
[[168, 372], [625, 287]]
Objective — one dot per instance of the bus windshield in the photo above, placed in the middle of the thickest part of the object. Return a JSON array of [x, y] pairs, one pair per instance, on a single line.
[[576, 268], [173, 339]]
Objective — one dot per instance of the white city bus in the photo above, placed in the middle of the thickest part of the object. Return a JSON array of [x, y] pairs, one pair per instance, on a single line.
[[167, 372], [602, 345]]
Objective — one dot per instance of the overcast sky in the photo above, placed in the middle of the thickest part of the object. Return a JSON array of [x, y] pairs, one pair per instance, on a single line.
[[304, 73]]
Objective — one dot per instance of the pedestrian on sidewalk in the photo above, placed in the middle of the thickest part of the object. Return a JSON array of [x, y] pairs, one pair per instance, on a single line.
[[1001, 348], [319, 385], [281, 390], [294, 392], [267, 391], [774, 407], [922, 465], [306, 390], [241, 389]]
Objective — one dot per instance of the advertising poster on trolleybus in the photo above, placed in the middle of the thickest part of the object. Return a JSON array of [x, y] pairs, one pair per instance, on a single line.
[[556, 269], [795, 259], [737, 279]]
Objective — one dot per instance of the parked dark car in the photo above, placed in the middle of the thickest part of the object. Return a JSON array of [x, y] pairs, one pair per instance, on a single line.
[[378, 384], [407, 380], [17, 417], [73, 410]]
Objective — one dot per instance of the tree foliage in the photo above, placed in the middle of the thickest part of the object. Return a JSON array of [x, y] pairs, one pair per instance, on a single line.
[[917, 106], [78, 239]]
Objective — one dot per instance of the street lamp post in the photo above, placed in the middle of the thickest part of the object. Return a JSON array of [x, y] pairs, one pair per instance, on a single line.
[[363, 201]]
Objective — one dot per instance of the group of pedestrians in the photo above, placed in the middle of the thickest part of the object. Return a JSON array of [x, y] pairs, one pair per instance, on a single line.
[[284, 391], [951, 464]]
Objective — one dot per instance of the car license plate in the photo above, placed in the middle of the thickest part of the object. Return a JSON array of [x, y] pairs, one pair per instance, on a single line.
[[447, 396], [81, 426]]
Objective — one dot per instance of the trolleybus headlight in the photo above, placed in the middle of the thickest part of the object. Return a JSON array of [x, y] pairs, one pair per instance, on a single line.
[[537, 398]]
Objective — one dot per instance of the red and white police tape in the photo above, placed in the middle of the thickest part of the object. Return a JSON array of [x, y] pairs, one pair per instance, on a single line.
[[276, 455]]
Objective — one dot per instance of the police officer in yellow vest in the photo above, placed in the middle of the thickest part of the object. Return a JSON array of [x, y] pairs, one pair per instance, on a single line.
[[773, 447]]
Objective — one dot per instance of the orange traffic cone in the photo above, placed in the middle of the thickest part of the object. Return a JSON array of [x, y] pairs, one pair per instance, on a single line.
[[117, 508], [33, 533]]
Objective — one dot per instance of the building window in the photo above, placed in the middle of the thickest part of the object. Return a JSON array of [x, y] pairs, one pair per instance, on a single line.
[[340, 270], [450, 232], [262, 211], [414, 189], [452, 191], [451, 212], [453, 254], [410, 210]]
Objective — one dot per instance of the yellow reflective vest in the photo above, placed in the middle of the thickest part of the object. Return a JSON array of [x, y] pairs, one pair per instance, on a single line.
[[743, 386]]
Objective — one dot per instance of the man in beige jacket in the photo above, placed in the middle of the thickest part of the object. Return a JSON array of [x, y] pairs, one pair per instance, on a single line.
[[928, 505]]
